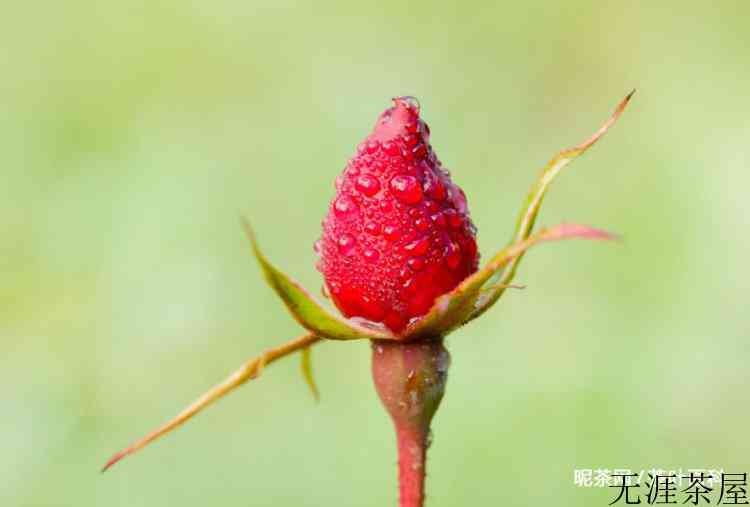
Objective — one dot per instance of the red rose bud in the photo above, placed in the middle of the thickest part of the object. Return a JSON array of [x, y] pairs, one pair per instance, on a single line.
[[398, 232]]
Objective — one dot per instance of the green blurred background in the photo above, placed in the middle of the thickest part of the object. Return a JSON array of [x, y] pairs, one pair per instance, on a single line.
[[132, 135]]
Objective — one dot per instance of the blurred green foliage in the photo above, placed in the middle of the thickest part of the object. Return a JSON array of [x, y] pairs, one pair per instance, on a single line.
[[132, 134]]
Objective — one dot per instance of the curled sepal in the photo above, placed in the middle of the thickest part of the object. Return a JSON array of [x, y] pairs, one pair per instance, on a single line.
[[454, 308], [305, 309], [251, 369], [529, 212], [307, 373]]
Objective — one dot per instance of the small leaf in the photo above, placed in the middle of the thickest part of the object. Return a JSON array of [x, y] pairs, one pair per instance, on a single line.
[[528, 214], [451, 310], [251, 369], [307, 373], [305, 309]]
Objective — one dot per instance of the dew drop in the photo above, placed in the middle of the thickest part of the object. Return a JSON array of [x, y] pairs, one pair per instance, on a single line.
[[372, 228], [391, 148], [408, 284], [344, 206], [453, 256], [370, 254], [449, 215], [416, 263], [420, 151], [436, 189], [410, 140], [391, 232], [367, 184], [334, 288], [422, 224], [346, 244], [406, 188], [417, 247], [373, 146], [439, 219]]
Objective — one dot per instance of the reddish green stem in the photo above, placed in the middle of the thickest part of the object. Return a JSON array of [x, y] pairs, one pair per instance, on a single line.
[[410, 380], [412, 453]]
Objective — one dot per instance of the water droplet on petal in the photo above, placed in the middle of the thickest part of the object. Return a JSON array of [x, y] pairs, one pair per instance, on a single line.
[[391, 232], [373, 146], [346, 244], [408, 285], [453, 256], [436, 189], [410, 140], [439, 219], [391, 148], [344, 206], [417, 247], [367, 184], [334, 287], [406, 188], [372, 228], [416, 263], [370, 254], [420, 151], [422, 224]]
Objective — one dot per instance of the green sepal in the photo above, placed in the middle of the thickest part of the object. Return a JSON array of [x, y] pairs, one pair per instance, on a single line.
[[307, 373], [454, 308], [305, 309], [249, 370], [527, 216]]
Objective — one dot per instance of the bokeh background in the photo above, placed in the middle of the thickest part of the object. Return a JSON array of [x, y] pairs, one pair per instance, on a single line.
[[133, 134]]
